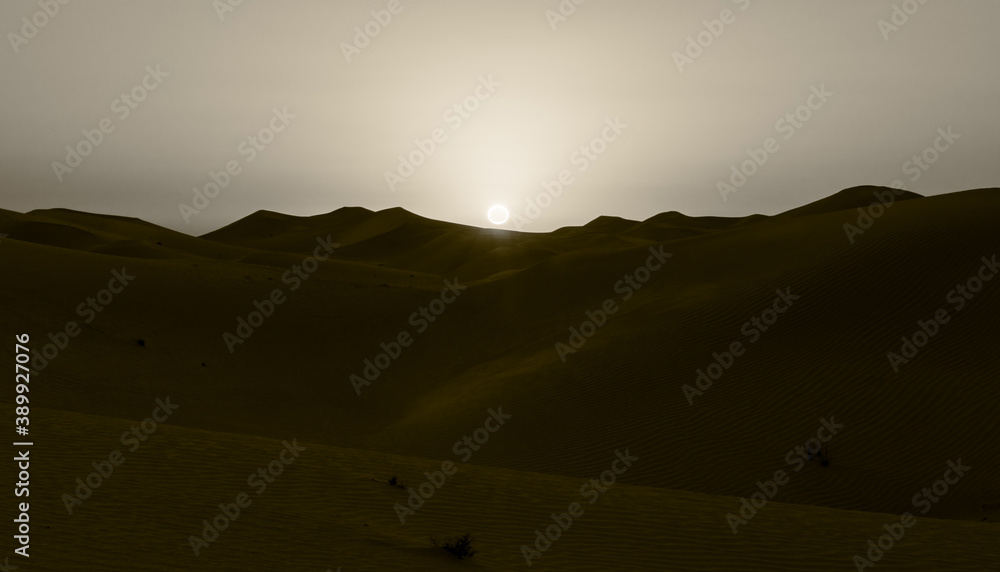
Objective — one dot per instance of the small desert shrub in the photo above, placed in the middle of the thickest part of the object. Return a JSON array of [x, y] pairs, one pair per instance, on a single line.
[[460, 547]]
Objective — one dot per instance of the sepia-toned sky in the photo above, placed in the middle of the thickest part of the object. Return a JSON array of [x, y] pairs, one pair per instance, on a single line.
[[531, 89]]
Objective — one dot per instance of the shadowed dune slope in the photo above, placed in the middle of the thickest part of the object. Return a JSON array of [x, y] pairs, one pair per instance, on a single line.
[[107, 234], [851, 199], [332, 507], [495, 345]]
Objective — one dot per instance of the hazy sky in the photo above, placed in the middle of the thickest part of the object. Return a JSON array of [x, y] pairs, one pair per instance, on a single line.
[[532, 89]]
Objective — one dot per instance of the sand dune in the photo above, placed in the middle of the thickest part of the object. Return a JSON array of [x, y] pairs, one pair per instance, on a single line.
[[495, 345], [332, 508]]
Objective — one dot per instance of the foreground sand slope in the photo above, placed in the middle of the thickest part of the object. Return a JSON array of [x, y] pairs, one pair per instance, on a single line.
[[494, 346], [327, 510]]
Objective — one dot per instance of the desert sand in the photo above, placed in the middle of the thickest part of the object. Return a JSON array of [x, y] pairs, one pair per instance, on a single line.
[[509, 301]]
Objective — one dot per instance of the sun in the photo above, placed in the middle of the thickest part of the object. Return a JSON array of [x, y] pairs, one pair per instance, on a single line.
[[498, 214]]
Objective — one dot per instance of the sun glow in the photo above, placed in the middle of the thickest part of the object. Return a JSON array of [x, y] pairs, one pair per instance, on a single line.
[[498, 214]]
